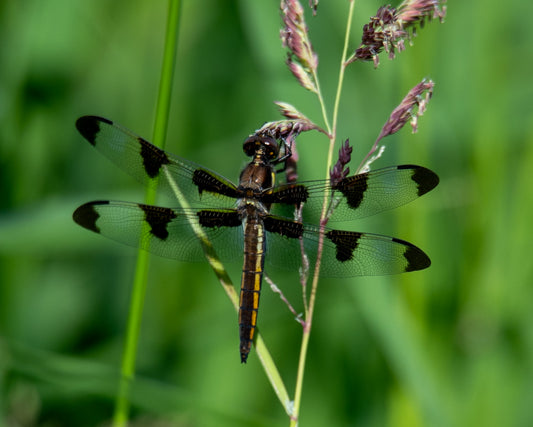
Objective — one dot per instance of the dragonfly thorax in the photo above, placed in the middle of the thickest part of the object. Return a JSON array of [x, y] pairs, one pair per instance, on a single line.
[[255, 178]]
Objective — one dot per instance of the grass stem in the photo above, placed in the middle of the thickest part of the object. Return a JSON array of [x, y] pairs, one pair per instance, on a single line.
[[332, 131], [122, 404]]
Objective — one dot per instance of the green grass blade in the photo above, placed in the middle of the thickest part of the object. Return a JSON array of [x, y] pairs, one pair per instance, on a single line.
[[122, 404]]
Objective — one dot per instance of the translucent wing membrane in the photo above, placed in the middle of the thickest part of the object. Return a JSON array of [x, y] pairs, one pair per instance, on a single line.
[[162, 231], [367, 194], [146, 163], [346, 253]]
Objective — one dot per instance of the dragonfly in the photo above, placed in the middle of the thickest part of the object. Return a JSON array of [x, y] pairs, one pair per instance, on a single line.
[[250, 221]]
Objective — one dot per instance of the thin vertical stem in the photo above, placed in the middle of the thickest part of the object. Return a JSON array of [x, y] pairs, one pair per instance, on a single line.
[[122, 404], [343, 65], [312, 298]]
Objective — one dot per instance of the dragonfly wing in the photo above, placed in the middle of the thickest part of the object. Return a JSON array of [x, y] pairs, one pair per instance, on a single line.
[[369, 193], [162, 231], [149, 164], [345, 253]]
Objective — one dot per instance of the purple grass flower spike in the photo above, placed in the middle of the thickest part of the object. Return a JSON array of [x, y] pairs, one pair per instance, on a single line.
[[301, 58], [340, 170], [391, 27], [412, 106]]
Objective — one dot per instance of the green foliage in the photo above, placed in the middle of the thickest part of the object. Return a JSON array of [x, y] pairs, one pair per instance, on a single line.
[[450, 345]]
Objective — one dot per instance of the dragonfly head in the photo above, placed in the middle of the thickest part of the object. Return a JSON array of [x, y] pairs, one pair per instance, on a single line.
[[264, 146]]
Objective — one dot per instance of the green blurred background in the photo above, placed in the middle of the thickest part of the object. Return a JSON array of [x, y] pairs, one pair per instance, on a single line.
[[449, 346]]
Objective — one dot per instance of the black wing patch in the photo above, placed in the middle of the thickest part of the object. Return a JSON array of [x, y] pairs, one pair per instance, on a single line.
[[345, 243], [425, 179], [87, 216], [90, 128], [283, 226], [158, 219], [153, 158]]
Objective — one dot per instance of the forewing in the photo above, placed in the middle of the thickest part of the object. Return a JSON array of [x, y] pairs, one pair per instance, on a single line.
[[369, 193], [148, 163]]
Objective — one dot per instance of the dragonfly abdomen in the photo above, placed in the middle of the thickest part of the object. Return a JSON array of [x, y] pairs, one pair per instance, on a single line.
[[252, 277]]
